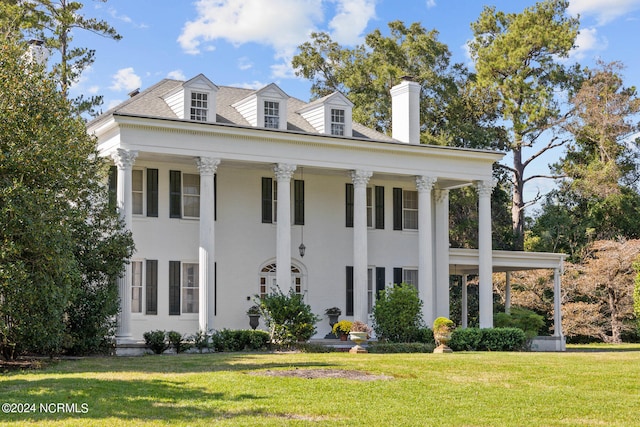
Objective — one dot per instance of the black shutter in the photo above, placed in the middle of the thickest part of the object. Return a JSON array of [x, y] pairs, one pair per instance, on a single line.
[[397, 208], [349, 205], [397, 275], [267, 200], [175, 194], [152, 192], [174, 288], [380, 278], [349, 291], [298, 202], [215, 288], [151, 287], [379, 196], [113, 188], [215, 197]]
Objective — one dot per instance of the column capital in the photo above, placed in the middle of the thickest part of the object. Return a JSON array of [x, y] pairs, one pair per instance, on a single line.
[[425, 183], [124, 159], [360, 177], [441, 194], [284, 171], [207, 165], [485, 188]]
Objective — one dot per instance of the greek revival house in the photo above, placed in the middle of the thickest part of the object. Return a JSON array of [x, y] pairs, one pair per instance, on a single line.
[[231, 191]]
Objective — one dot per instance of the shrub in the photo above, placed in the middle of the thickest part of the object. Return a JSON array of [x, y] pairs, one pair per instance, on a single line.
[[398, 314], [305, 347], [490, 339], [156, 341], [527, 320], [178, 342], [287, 316], [240, 340], [413, 347]]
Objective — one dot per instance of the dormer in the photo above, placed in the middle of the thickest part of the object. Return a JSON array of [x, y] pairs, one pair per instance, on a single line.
[[330, 115], [194, 100], [265, 108]]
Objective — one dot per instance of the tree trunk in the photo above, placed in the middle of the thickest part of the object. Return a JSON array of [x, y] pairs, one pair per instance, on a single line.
[[616, 325], [517, 200]]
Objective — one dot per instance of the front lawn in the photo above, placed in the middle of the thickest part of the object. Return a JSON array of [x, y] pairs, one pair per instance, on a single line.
[[472, 389]]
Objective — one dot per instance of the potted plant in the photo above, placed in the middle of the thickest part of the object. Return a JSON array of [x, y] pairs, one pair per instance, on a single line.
[[254, 316], [342, 328], [442, 328], [359, 334], [333, 313]]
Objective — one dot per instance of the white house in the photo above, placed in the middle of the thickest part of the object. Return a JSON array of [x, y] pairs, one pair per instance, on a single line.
[[231, 191]]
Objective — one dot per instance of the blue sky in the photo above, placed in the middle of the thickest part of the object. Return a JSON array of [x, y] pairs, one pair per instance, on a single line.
[[249, 43]]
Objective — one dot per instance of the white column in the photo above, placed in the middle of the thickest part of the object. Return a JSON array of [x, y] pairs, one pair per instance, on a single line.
[[465, 302], [283, 172], [124, 160], [557, 307], [360, 180], [485, 260], [206, 253], [507, 292], [425, 248], [442, 252]]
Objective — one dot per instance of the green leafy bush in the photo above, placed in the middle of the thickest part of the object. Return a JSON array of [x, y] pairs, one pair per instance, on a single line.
[[240, 340], [156, 341], [398, 314], [178, 341], [305, 347], [527, 320], [490, 339], [287, 316], [411, 347], [201, 340]]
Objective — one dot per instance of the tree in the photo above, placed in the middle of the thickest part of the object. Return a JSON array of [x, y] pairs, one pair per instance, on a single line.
[[397, 314], [515, 58], [61, 246], [54, 22]]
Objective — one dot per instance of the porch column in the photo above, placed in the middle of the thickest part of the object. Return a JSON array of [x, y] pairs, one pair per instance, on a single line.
[[206, 253], [283, 172], [442, 252], [425, 248], [360, 180], [465, 302], [485, 261], [507, 292], [124, 160], [557, 308]]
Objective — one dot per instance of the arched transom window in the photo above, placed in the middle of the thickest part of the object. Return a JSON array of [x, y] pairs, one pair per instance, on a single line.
[[268, 279]]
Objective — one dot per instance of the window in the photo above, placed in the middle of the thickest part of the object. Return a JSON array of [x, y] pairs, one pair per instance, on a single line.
[[190, 292], [199, 106], [405, 209], [268, 279], [369, 207], [184, 195], [137, 191], [136, 286], [269, 200], [405, 275], [375, 206], [271, 114], [337, 122]]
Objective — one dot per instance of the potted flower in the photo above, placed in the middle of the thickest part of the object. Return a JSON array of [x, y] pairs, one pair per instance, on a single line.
[[254, 316], [359, 333], [333, 313], [342, 328], [442, 328]]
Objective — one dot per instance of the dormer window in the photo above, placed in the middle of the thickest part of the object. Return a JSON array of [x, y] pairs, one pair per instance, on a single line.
[[337, 122], [199, 106], [271, 114]]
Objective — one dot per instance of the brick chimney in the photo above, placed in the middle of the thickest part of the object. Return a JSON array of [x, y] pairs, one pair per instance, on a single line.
[[405, 111]]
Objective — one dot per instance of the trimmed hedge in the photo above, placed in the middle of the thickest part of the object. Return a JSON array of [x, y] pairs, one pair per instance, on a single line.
[[239, 340], [411, 347], [491, 339]]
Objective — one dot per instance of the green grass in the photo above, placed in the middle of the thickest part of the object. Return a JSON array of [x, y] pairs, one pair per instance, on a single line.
[[576, 388]]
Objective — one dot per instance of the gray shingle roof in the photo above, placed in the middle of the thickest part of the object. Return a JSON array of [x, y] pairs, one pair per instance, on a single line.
[[150, 103]]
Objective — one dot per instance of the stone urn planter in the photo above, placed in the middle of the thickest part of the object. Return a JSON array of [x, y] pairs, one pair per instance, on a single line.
[[359, 334], [254, 316], [333, 314], [442, 328]]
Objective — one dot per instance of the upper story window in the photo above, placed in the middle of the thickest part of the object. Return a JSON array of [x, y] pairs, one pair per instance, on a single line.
[[271, 114], [337, 122], [199, 106], [410, 210], [137, 191], [184, 195]]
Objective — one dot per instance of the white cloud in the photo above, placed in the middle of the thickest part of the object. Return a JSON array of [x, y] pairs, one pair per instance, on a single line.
[[281, 24], [250, 85], [114, 103], [283, 70], [604, 11], [176, 75], [125, 79], [351, 19], [431, 3], [587, 41], [93, 90], [245, 63]]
